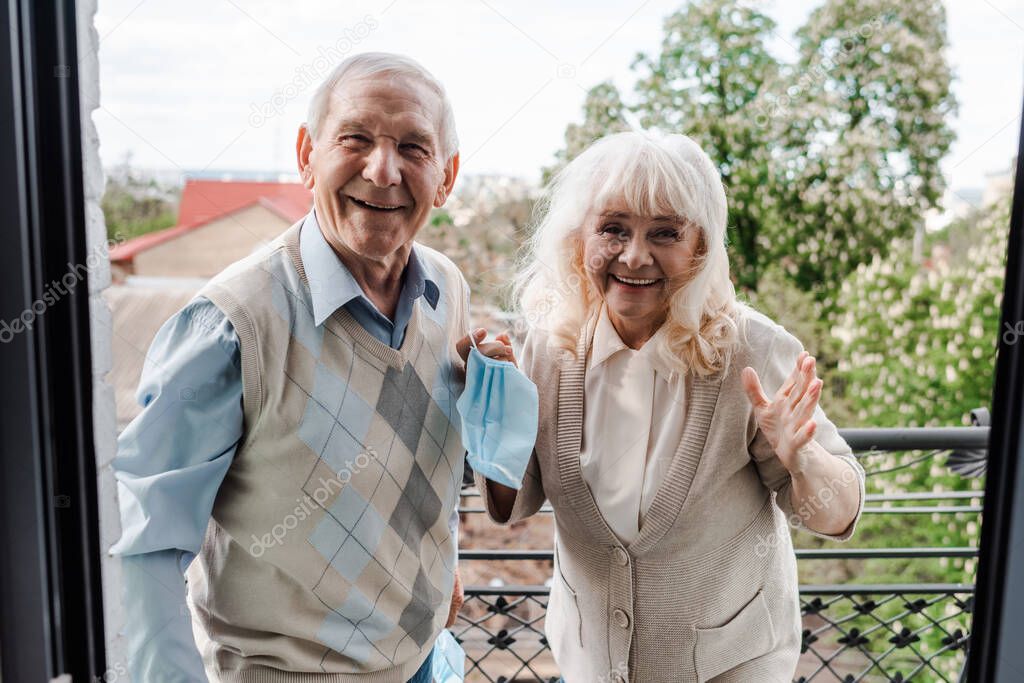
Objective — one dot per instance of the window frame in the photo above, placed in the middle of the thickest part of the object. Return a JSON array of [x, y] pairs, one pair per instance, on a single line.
[[51, 601]]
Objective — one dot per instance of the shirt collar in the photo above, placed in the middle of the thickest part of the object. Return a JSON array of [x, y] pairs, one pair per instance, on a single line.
[[607, 343], [331, 284], [606, 340]]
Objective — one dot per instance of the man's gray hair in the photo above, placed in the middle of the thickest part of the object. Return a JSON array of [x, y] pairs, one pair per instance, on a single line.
[[388, 64]]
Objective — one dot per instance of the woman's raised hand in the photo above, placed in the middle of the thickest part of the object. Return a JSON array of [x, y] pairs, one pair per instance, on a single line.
[[786, 418]]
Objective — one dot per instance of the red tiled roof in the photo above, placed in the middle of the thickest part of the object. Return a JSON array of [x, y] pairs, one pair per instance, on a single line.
[[203, 201]]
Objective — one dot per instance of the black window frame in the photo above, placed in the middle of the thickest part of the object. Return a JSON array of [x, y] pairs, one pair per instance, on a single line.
[[995, 650], [51, 601]]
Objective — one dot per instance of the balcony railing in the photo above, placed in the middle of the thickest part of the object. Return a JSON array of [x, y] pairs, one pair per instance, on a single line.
[[851, 631]]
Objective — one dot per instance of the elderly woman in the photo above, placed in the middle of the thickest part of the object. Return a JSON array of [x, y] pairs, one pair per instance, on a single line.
[[679, 430]]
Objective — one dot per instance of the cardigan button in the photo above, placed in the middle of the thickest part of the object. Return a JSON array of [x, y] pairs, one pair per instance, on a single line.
[[620, 556], [621, 618]]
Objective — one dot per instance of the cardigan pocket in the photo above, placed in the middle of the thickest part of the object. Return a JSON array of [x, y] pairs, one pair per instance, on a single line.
[[746, 636], [572, 592]]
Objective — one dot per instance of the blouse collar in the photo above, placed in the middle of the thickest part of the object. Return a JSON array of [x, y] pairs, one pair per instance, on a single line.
[[607, 343]]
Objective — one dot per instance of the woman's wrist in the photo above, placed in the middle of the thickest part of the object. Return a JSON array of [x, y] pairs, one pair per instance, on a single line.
[[801, 462]]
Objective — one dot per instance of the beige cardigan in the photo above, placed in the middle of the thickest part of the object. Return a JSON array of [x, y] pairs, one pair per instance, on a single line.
[[708, 590]]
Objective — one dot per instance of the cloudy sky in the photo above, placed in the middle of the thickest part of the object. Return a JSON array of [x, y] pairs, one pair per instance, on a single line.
[[223, 84]]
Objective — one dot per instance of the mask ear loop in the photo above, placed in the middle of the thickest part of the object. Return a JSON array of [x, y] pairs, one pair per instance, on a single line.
[[472, 339]]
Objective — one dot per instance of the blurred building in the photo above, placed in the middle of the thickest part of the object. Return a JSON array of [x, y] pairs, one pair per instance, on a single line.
[[219, 222]]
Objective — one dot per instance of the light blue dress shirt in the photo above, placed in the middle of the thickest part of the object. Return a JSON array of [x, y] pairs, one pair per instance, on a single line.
[[173, 456]]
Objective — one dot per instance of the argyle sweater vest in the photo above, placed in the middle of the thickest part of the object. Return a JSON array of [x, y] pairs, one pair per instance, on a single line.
[[328, 557]]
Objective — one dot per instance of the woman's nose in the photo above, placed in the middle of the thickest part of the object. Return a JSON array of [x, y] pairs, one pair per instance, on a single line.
[[635, 254]]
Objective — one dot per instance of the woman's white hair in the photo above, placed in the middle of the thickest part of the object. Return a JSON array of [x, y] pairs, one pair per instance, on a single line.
[[383, 64], [652, 174]]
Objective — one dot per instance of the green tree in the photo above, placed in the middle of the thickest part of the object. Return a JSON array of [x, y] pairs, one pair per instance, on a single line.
[[706, 81], [602, 115], [826, 159], [134, 204], [868, 104]]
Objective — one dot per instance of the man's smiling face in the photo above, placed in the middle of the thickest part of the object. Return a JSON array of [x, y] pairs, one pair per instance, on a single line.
[[376, 166]]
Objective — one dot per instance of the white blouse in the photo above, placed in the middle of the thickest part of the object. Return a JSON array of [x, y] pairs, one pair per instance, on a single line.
[[633, 419]]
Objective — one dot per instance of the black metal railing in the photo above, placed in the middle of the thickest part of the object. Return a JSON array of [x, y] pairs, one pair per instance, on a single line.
[[851, 632], [855, 632]]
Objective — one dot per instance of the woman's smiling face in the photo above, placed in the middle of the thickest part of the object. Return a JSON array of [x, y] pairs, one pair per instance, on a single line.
[[637, 263]]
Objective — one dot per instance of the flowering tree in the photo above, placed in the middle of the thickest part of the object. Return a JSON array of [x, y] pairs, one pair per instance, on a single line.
[[918, 341], [866, 111], [706, 81], [826, 159], [918, 348]]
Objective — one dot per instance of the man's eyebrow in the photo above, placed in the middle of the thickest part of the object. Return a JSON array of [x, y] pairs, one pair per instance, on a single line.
[[349, 124], [420, 137]]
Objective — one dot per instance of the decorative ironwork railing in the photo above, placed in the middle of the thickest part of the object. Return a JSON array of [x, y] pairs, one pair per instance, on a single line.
[[851, 632]]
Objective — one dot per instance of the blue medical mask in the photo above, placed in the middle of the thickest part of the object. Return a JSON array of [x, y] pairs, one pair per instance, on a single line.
[[449, 663], [499, 409]]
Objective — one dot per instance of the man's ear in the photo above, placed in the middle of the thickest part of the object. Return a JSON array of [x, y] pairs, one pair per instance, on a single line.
[[451, 170], [303, 147]]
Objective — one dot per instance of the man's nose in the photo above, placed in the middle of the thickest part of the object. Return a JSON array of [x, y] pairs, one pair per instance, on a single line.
[[635, 254], [382, 166]]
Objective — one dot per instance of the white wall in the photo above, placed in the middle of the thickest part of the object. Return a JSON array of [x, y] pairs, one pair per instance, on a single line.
[[104, 415]]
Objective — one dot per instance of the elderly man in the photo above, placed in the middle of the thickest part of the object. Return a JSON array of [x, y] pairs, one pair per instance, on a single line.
[[299, 436]]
